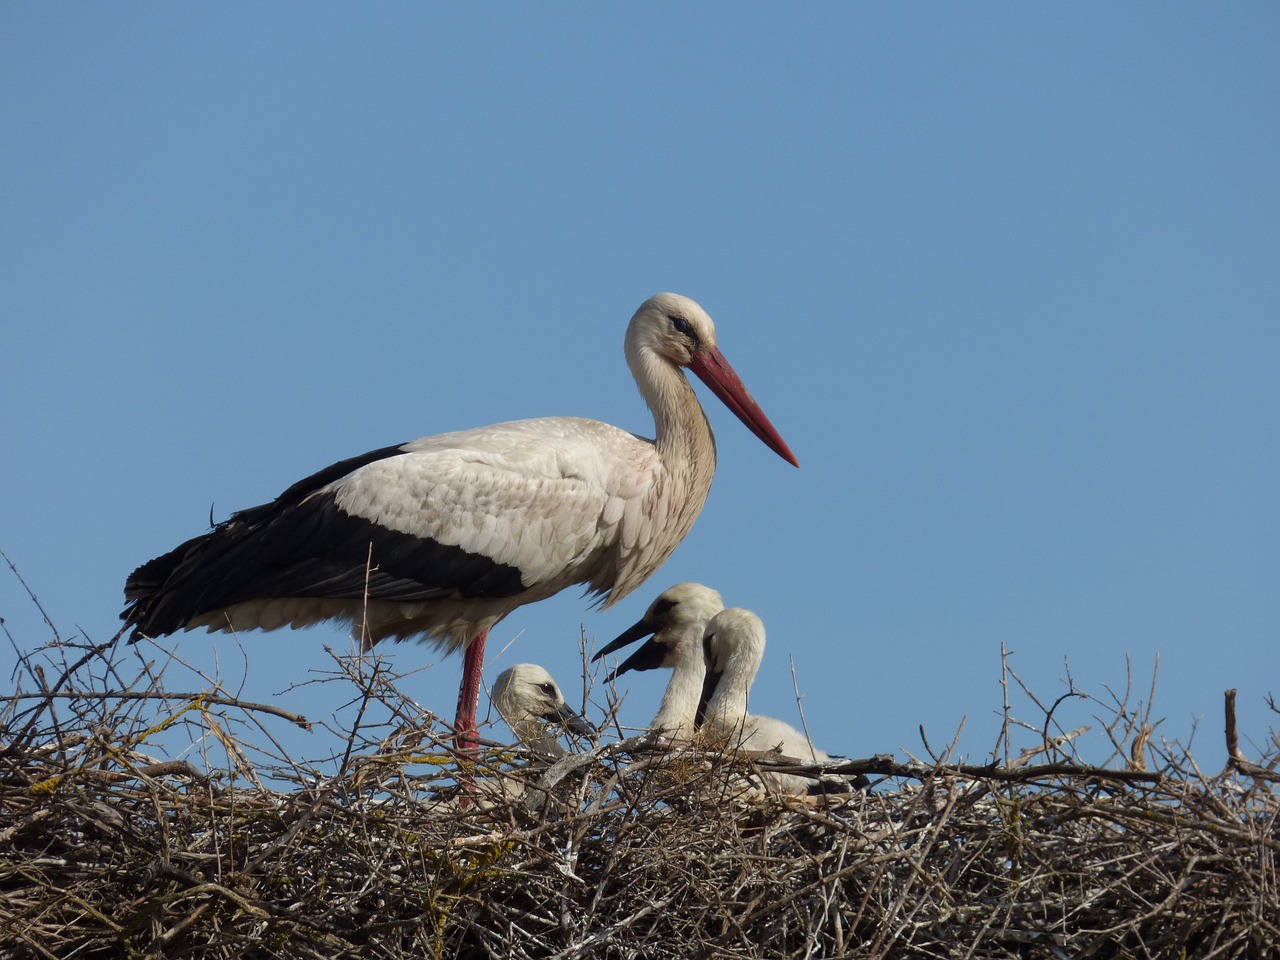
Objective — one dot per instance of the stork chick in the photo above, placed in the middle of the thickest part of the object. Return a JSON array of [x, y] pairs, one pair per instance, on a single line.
[[733, 646], [676, 619], [531, 704]]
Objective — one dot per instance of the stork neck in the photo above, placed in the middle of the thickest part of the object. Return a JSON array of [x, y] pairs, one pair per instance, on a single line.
[[680, 702], [540, 741], [682, 432], [728, 705]]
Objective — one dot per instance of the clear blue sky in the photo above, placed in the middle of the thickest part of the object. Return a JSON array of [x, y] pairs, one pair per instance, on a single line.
[[1005, 277]]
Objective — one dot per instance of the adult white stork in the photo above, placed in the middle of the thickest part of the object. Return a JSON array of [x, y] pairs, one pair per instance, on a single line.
[[677, 619], [442, 537], [530, 702], [733, 646]]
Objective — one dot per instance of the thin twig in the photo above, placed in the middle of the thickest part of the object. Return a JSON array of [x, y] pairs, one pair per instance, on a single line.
[[296, 719]]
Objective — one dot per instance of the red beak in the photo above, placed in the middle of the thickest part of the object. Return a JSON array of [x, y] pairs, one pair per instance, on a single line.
[[714, 370]]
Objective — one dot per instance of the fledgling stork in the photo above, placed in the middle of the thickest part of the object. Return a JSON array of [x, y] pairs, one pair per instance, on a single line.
[[531, 704], [733, 646], [676, 620], [440, 538]]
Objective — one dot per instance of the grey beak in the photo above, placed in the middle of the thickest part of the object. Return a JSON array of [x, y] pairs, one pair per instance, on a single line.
[[571, 720], [631, 635]]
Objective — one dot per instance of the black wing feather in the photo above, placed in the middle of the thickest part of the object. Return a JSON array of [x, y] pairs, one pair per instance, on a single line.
[[303, 544]]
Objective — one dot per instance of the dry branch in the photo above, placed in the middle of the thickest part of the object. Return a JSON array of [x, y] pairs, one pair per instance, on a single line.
[[629, 849], [212, 699]]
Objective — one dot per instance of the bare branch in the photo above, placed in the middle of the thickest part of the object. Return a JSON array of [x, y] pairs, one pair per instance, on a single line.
[[194, 698]]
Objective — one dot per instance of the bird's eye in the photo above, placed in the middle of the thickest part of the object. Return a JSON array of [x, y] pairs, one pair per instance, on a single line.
[[681, 325], [548, 689]]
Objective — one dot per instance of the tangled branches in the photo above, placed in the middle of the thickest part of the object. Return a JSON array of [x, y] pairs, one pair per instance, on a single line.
[[629, 849]]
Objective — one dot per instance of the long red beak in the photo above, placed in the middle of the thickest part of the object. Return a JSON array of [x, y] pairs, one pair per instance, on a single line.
[[714, 370]]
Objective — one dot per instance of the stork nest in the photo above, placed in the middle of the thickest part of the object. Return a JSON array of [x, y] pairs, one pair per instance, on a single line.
[[395, 847]]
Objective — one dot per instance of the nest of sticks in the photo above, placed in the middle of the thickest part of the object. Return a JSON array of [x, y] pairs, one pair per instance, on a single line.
[[396, 847]]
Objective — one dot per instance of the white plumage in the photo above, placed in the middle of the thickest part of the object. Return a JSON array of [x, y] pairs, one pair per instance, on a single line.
[[733, 644], [676, 619], [531, 704], [440, 538]]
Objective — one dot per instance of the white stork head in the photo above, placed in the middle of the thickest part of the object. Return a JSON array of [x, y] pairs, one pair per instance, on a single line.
[[669, 329], [671, 326], [676, 619], [733, 645], [529, 699]]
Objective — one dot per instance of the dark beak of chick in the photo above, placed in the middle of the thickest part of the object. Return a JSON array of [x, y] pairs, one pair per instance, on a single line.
[[571, 720], [648, 657]]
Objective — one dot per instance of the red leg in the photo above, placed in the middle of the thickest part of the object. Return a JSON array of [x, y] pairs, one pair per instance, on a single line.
[[464, 724]]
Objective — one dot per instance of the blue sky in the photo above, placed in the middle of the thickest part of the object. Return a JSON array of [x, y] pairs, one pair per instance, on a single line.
[[1004, 277]]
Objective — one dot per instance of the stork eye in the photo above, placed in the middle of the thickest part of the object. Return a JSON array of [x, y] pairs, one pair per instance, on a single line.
[[682, 326], [661, 608], [548, 688]]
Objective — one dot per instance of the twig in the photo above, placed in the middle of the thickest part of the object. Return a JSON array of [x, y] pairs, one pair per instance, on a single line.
[[914, 771], [296, 719], [34, 599], [795, 685], [1235, 759], [1233, 741]]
